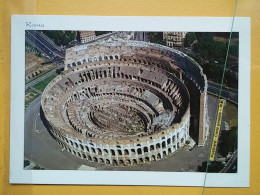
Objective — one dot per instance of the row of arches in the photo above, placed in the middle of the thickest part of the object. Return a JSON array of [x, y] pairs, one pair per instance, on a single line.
[[164, 148], [119, 161], [93, 75], [94, 59]]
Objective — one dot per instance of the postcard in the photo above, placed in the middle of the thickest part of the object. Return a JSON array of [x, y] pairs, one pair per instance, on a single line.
[[100, 100]]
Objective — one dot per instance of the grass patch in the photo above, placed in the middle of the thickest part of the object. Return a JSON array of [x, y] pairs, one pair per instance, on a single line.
[[41, 85], [231, 114], [30, 95], [42, 73]]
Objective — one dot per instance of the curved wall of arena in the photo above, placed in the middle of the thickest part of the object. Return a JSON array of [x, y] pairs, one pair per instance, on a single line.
[[144, 70]]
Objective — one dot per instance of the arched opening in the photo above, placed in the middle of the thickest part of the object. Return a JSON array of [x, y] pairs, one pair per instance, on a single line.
[[173, 139], [101, 160], [153, 157], [126, 152], [81, 147], [87, 148], [151, 147], [139, 151], [84, 156], [168, 141], [163, 144], [119, 152], [134, 161], [147, 159], [145, 149], [95, 159], [133, 151], [141, 160], [113, 152], [107, 161], [114, 162], [164, 153], [121, 162], [89, 157], [159, 156]]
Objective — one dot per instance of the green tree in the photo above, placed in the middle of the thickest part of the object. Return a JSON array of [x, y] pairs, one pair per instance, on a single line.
[[189, 39], [156, 37], [60, 37], [228, 141], [233, 50]]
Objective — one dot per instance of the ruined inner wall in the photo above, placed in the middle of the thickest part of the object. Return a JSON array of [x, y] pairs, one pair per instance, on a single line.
[[179, 64], [118, 104]]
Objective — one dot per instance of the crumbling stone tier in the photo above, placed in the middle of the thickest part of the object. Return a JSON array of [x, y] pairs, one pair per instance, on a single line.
[[124, 102]]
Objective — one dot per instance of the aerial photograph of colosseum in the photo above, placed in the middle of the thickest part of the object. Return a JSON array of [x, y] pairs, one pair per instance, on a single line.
[[130, 101]]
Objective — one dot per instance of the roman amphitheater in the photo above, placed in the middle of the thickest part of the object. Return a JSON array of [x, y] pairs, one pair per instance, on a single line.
[[126, 102]]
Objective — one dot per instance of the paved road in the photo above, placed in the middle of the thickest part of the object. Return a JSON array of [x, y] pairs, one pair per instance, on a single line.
[[43, 44], [41, 148], [231, 94]]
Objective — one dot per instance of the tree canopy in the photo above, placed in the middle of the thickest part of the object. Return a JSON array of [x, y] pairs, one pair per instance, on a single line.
[[189, 39], [60, 37]]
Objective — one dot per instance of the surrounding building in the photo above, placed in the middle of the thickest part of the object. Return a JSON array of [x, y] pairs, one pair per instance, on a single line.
[[86, 36], [125, 102], [174, 39]]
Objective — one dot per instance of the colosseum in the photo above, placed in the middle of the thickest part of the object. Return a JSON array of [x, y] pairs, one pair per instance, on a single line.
[[126, 102]]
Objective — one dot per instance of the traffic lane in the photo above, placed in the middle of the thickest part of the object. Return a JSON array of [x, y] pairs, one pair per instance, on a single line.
[[216, 85], [48, 40], [43, 44], [39, 47], [41, 40], [217, 88], [224, 93], [44, 39]]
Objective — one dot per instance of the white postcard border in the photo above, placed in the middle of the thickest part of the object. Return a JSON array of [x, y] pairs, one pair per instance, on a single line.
[[20, 23]]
